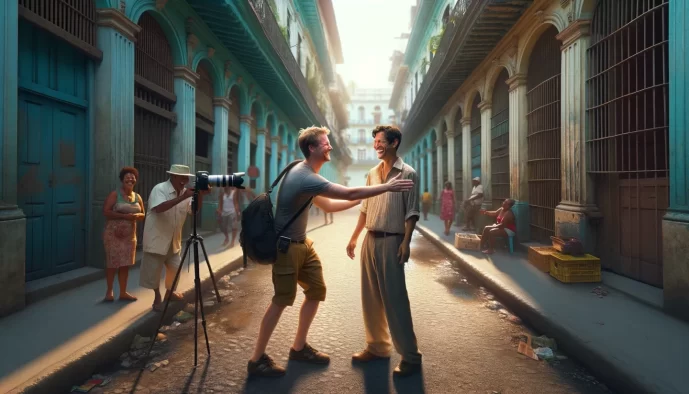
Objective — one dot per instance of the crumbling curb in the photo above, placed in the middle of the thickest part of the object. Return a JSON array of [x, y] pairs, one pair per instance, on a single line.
[[603, 366], [61, 377]]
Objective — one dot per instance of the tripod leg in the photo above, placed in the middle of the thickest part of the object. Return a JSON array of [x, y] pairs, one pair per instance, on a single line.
[[210, 270], [167, 302], [203, 321]]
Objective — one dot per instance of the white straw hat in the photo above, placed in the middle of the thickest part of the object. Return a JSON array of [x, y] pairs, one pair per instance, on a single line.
[[179, 169]]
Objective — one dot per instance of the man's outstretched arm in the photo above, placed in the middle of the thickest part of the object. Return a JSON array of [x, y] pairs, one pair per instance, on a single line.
[[339, 192], [331, 205]]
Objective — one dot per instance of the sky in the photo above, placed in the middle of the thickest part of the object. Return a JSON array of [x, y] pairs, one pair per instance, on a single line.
[[367, 32]]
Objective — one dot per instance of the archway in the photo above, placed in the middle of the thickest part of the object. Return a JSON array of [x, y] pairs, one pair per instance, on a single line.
[[500, 141], [543, 120], [255, 114], [205, 120], [445, 153], [459, 162], [475, 137], [627, 142], [154, 119], [435, 185], [233, 132]]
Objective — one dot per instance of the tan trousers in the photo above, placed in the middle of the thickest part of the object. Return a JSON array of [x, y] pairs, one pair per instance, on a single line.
[[385, 301], [152, 266]]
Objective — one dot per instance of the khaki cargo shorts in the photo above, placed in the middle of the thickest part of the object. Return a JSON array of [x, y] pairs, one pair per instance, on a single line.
[[300, 265]]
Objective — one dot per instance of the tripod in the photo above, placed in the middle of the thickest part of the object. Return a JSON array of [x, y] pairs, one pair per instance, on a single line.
[[194, 239]]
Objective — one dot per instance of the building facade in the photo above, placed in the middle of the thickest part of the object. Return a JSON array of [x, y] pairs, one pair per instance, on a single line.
[[91, 86], [575, 109], [367, 109]]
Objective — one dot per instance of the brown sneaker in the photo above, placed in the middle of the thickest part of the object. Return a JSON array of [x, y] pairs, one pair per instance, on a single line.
[[366, 356], [309, 355], [406, 369], [265, 366]]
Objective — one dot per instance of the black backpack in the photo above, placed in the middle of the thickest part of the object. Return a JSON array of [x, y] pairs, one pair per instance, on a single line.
[[258, 237]]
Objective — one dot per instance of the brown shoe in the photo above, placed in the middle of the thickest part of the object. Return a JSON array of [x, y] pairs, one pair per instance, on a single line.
[[406, 369], [309, 355], [366, 356], [266, 367]]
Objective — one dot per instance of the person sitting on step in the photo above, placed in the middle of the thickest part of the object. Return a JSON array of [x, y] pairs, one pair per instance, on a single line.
[[505, 225]]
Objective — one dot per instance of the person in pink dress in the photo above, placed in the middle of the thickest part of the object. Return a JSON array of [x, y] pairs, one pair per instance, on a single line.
[[122, 209], [447, 206]]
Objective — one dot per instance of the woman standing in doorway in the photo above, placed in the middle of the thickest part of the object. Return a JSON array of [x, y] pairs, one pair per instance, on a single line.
[[122, 209], [447, 206]]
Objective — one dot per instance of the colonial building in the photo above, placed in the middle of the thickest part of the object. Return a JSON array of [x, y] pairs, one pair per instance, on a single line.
[[367, 109], [574, 108], [88, 87]]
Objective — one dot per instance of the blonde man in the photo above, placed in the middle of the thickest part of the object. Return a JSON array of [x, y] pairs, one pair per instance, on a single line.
[[299, 263]]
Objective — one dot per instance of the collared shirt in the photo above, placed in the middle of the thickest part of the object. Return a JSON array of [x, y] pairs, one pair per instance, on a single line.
[[164, 228], [478, 189], [389, 211]]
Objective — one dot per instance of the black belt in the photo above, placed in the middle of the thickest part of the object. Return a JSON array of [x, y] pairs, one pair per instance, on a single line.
[[292, 241], [382, 234]]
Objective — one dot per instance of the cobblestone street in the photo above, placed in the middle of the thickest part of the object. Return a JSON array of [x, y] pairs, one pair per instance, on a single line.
[[469, 342]]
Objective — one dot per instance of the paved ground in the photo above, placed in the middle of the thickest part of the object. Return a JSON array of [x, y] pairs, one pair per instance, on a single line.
[[467, 347]]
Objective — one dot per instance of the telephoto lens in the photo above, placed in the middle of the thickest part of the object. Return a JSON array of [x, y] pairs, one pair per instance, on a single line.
[[203, 180]]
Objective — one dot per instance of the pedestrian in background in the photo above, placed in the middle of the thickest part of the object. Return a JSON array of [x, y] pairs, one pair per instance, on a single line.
[[122, 209], [426, 202], [228, 214], [447, 206], [390, 220]]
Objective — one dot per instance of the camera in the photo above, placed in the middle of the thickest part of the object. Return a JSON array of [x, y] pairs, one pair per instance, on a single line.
[[203, 180]]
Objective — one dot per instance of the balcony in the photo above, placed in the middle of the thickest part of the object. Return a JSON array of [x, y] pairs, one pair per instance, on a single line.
[[475, 28], [249, 30]]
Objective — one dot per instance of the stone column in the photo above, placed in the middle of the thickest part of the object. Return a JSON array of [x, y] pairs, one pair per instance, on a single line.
[[429, 172], [275, 150], [221, 108], [285, 158], [12, 219], [486, 108], [519, 154], [244, 159], [439, 147], [450, 138], [423, 174], [261, 159], [676, 220], [574, 214], [113, 134], [466, 157], [183, 141]]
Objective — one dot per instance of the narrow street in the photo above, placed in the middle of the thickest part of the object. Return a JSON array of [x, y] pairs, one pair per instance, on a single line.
[[468, 345]]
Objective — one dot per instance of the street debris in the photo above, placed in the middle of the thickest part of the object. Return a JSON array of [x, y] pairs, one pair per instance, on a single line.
[[544, 341], [183, 316], [494, 305], [95, 381], [514, 319], [544, 353], [599, 291]]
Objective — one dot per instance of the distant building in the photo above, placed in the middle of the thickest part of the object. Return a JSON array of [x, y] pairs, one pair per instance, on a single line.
[[367, 109]]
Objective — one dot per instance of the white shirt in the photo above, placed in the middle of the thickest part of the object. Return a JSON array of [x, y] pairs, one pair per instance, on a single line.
[[162, 229], [228, 203], [475, 192]]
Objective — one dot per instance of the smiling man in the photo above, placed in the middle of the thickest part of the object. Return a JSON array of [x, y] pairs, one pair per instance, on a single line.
[[298, 262], [390, 220]]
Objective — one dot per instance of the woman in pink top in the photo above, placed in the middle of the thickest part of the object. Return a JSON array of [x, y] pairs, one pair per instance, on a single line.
[[447, 206], [505, 225]]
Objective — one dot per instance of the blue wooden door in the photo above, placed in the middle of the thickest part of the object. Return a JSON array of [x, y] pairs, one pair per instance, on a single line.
[[51, 149]]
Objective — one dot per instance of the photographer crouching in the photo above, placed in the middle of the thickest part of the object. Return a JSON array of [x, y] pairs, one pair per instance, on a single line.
[[168, 207]]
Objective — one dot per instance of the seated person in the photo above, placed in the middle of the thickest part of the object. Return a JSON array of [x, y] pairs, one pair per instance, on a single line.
[[505, 225]]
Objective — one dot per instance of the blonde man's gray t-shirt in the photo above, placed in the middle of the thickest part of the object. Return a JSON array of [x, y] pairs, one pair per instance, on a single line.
[[298, 185]]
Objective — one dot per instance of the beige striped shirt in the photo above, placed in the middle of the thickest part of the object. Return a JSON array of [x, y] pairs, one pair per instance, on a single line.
[[389, 211]]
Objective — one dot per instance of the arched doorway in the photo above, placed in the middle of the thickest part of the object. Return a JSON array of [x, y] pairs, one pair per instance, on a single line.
[[500, 141], [154, 118], [205, 127], [435, 187], [233, 132], [475, 138], [57, 42], [445, 151], [543, 135], [254, 141], [627, 141], [459, 162]]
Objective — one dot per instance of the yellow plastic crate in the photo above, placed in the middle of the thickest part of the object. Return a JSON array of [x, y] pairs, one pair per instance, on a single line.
[[539, 257], [575, 269]]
